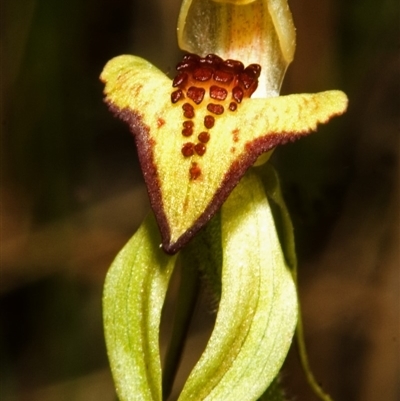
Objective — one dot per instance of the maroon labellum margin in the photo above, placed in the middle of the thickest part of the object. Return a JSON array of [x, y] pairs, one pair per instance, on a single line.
[[238, 168]]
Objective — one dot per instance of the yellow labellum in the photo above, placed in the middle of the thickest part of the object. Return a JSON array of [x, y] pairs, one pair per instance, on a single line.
[[183, 202]]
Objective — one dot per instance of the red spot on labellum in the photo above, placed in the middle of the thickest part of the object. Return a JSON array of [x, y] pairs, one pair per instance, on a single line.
[[196, 94], [194, 171], [188, 149], [188, 62], [253, 70], [232, 106], [187, 128], [246, 80], [212, 59], [187, 131], [235, 134], [192, 57], [200, 148], [180, 79], [209, 121], [204, 137], [237, 93], [202, 74], [223, 76], [218, 93], [234, 65], [188, 124], [176, 95], [217, 109], [188, 110]]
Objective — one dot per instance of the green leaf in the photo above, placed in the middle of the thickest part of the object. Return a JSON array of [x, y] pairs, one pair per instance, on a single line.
[[134, 293], [258, 309]]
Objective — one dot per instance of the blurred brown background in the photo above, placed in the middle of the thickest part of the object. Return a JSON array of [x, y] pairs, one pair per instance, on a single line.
[[72, 192]]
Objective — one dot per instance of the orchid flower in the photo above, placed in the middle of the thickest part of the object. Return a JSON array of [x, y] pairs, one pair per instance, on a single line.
[[198, 134]]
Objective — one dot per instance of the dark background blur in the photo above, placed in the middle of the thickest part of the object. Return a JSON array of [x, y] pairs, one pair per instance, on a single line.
[[72, 191]]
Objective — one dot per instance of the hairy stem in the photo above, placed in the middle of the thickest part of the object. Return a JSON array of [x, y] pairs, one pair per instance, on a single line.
[[186, 303]]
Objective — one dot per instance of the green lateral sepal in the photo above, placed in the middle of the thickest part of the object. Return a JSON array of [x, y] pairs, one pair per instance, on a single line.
[[257, 313], [134, 294]]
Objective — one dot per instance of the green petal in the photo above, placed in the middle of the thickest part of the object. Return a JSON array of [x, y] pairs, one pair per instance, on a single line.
[[259, 31], [258, 308], [133, 297], [140, 94]]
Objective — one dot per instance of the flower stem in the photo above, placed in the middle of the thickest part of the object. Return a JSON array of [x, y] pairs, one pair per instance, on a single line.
[[312, 382], [186, 303]]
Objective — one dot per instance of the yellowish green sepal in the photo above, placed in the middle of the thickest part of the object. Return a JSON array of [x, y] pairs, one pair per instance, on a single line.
[[258, 308], [134, 294]]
